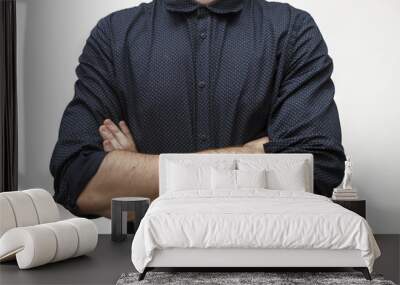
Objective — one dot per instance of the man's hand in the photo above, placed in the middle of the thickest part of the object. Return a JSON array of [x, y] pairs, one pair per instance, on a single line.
[[116, 137], [256, 146]]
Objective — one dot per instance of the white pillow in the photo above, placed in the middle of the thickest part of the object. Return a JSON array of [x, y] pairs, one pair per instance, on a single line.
[[251, 178], [235, 179], [223, 179], [292, 179], [281, 174], [187, 177]]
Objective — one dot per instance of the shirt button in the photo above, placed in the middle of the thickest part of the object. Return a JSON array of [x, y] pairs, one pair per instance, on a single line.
[[201, 84], [203, 138], [203, 35]]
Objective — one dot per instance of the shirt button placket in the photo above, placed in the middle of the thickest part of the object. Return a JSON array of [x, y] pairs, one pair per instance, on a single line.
[[202, 70]]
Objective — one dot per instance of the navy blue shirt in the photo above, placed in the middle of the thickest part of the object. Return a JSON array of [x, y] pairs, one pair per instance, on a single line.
[[187, 77]]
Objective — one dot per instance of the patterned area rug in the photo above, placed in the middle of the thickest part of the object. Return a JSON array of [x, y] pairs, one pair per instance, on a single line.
[[268, 278]]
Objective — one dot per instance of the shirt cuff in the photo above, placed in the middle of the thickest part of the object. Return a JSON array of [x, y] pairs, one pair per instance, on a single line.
[[77, 176]]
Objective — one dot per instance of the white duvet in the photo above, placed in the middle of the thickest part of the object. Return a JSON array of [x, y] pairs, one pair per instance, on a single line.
[[250, 219]]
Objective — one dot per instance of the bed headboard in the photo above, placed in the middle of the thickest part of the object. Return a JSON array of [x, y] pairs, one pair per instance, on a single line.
[[269, 159]]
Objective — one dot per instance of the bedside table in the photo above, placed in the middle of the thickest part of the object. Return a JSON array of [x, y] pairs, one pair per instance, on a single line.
[[120, 227], [357, 206]]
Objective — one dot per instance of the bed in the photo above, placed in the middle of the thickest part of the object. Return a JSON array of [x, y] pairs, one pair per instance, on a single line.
[[246, 211]]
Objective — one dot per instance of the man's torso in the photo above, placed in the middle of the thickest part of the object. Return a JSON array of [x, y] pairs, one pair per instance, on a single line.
[[193, 80]]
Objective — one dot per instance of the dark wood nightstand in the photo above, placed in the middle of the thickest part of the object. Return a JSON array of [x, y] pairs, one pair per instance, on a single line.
[[357, 206]]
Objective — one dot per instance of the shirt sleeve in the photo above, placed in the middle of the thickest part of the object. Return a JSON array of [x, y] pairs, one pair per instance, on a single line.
[[304, 117], [78, 152]]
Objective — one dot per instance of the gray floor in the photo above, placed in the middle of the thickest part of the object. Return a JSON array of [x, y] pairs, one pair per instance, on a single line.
[[110, 260], [389, 262], [103, 266]]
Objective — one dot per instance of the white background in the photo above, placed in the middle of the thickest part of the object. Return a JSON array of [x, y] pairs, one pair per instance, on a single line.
[[363, 38]]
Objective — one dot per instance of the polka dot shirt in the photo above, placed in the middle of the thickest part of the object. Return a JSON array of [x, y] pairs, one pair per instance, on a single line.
[[187, 77]]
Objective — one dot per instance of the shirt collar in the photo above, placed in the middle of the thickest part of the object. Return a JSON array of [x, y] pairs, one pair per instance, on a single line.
[[219, 6]]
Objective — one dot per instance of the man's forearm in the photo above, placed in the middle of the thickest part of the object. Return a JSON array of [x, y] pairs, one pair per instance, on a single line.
[[256, 146], [238, 149], [121, 173]]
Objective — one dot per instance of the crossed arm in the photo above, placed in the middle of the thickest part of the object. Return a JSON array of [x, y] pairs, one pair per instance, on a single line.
[[126, 172]]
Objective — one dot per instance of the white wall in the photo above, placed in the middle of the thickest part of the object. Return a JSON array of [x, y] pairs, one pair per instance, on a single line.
[[361, 35]]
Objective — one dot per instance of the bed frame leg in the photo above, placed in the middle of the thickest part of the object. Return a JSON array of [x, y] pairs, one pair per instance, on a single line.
[[143, 274], [364, 271]]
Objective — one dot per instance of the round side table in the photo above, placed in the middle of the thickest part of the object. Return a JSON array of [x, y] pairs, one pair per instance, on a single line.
[[119, 215]]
